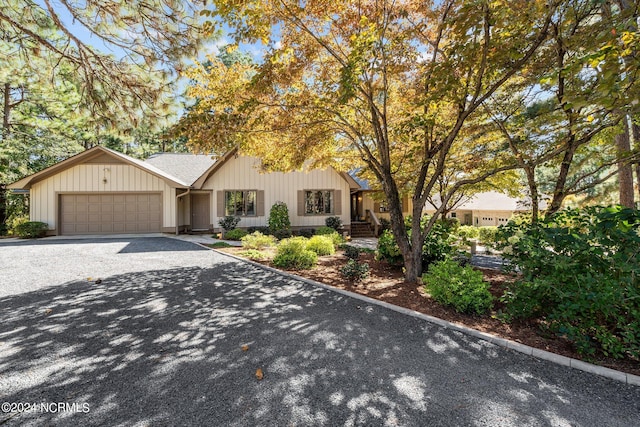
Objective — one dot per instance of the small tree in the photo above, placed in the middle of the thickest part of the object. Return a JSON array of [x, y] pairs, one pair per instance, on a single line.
[[279, 217], [228, 223]]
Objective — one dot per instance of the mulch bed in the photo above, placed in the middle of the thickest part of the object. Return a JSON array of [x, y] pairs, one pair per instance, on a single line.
[[386, 283]]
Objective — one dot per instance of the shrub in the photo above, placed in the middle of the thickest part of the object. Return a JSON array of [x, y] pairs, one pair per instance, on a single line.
[[468, 232], [487, 235], [13, 223], [322, 245], [30, 229], [235, 234], [305, 232], [254, 254], [292, 253], [355, 271], [580, 277], [321, 231], [385, 224], [279, 217], [437, 246], [282, 234], [459, 287], [229, 223], [334, 222], [262, 229], [351, 252], [388, 249], [257, 240]]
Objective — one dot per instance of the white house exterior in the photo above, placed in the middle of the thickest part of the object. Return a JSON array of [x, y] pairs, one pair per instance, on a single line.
[[101, 191]]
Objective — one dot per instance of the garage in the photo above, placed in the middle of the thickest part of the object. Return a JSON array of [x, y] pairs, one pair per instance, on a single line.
[[106, 213]]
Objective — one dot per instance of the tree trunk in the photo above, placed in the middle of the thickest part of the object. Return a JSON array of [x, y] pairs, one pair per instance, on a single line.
[[533, 192], [636, 147], [6, 95], [625, 170]]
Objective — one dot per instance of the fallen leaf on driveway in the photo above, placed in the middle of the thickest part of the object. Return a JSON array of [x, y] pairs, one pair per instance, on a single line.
[[48, 311], [98, 281], [259, 374], [245, 347]]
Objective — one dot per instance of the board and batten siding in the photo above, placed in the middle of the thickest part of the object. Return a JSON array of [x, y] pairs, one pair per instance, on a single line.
[[89, 178], [242, 173]]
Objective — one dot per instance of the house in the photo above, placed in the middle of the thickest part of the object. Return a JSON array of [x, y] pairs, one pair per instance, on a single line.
[[102, 191], [485, 209]]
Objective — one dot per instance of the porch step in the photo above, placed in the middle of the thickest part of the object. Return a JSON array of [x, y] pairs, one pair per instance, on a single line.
[[361, 229]]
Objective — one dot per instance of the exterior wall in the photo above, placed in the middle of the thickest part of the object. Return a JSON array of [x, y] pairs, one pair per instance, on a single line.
[[242, 173], [89, 178], [370, 204], [485, 218]]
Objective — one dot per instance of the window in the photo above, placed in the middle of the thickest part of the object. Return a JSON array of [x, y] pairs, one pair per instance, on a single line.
[[240, 203], [318, 202], [454, 215]]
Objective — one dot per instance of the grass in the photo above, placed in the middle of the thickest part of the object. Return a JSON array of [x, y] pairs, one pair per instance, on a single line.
[[217, 245]]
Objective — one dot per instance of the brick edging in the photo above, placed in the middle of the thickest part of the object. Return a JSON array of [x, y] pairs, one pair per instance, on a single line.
[[502, 342]]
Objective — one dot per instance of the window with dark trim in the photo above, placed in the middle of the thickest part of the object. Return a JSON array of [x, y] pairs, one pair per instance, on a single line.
[[318, 202], [240, 202]]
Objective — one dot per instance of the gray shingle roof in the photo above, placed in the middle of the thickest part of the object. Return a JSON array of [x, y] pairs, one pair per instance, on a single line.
[[187, 167]]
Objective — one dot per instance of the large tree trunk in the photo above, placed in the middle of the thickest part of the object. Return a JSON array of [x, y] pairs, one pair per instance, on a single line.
[[530, 171], [636, 146], [625, 170]]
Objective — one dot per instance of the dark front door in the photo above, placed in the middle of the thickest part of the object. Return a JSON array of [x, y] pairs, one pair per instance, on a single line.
[[200, 211]]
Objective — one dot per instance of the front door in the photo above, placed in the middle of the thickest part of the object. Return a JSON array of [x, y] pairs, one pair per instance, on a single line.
[[200, 211]]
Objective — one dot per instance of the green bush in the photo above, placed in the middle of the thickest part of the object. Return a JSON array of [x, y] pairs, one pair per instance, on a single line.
[[468, 232], [235, 234], [260, 228], [14, 222], [321, 231], [385, 224], [322, 245], [355, 271], [459, 287], [279, 217], [487, 235], [282, 234], [292, 253], [334, 222], [351, 252], [580, 277], [305, 232], [254, 254], [229, 222], [388, 249], [437, 246], [30, 229], [257, 240]]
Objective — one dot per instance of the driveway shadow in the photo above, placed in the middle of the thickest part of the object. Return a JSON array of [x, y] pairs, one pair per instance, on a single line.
[[134, 244], [164, 348]]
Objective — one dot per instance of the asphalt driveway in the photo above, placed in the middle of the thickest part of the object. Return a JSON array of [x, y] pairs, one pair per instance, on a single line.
[[158, 342]]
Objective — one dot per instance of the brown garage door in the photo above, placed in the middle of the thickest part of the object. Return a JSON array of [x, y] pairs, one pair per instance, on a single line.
[[110, 213]]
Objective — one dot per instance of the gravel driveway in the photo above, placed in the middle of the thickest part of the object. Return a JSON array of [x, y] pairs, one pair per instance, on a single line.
[[159, 342]]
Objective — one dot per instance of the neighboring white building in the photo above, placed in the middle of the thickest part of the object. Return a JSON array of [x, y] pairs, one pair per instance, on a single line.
[[490, 208]]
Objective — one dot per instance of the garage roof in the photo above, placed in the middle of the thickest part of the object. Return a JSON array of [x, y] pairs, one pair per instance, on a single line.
[[187, 167], [92, 153]]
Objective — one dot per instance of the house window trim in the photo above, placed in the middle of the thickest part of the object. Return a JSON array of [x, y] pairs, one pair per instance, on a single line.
[[244, 215], [332, 203]]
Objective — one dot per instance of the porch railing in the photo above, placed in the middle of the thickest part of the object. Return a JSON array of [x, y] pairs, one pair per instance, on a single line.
[[372, 219]]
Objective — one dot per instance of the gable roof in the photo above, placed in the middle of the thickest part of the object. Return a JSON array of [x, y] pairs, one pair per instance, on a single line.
[[187, 167], [493, 201], [92, 153]]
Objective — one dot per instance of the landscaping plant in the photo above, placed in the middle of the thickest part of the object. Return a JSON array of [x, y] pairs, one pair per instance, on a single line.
[[279, 218], [355, 271], [257, 240], [580, 277], [334, 222], [30, 229], [321, 245], [460, 287], [292, 253], [229, 222], [351, 252], [235, 234]]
